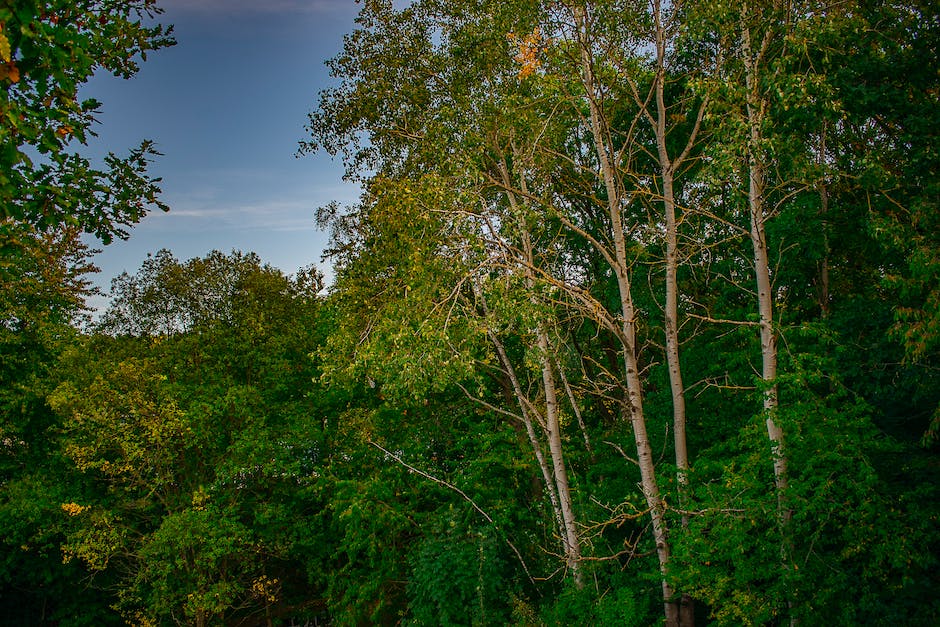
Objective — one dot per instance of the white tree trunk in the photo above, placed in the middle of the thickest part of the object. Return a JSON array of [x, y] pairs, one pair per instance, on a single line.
[[553, 427], [615, 201], [757, 168], [558, 478]]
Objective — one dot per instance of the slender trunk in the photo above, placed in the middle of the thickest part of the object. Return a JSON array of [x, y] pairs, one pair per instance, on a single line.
[[686, 603], [615, 200], [525, 413], [671, 313], [768, 342], [559, 476], [768, 338], [756, 108], [668, 168], [672, 336], [553, 425]]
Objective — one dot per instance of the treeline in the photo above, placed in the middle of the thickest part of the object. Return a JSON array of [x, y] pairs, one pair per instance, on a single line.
[[637, 321]]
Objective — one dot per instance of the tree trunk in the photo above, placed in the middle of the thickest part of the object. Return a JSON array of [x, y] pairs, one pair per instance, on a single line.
[[572, 542], [672, 335], [768, 339], [615, 198], [558, 478], [756, 108], [525, 413], [668, 168], [686, 603], [671, 312], [570, 536]]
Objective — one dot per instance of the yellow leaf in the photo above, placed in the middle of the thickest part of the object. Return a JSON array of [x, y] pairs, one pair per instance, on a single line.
[[74, 509], [4, 48]]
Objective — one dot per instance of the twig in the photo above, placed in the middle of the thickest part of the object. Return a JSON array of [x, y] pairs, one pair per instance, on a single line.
[[746, 323], [620, 450]]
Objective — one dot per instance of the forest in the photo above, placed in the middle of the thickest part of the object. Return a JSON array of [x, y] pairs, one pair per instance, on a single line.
[[635, 322]]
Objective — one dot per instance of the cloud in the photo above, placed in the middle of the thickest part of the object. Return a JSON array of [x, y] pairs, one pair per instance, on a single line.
[[261, 216], [231, 7]]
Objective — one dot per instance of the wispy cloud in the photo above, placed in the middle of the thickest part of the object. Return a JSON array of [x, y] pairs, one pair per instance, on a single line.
[[270, 216], [250, 198], [229, 7]]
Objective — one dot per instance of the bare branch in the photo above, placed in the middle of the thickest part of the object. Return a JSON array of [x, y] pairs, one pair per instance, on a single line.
[[619, 449]]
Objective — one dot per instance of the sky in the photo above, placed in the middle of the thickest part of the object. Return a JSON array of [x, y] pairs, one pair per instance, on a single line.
[[227, 106]]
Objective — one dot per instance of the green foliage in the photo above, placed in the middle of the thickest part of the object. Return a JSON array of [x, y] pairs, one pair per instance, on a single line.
[[458, 581], [474, 119], [367, 582], [50, 49], [616, 606], [42, 290], [203, 561], [49, 194], [844, 530], [401, 308], [42, 287], [35, 584], [191, 437]]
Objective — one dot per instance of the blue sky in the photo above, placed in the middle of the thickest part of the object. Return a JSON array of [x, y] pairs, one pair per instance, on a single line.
[[226, 106]]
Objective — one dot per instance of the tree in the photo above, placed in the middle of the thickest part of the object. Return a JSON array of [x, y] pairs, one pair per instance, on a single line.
[[188, 433], [882, 145], [490, 137], [49, 194], [443, 232], [42, 291], [537, 175], [48, 50]]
